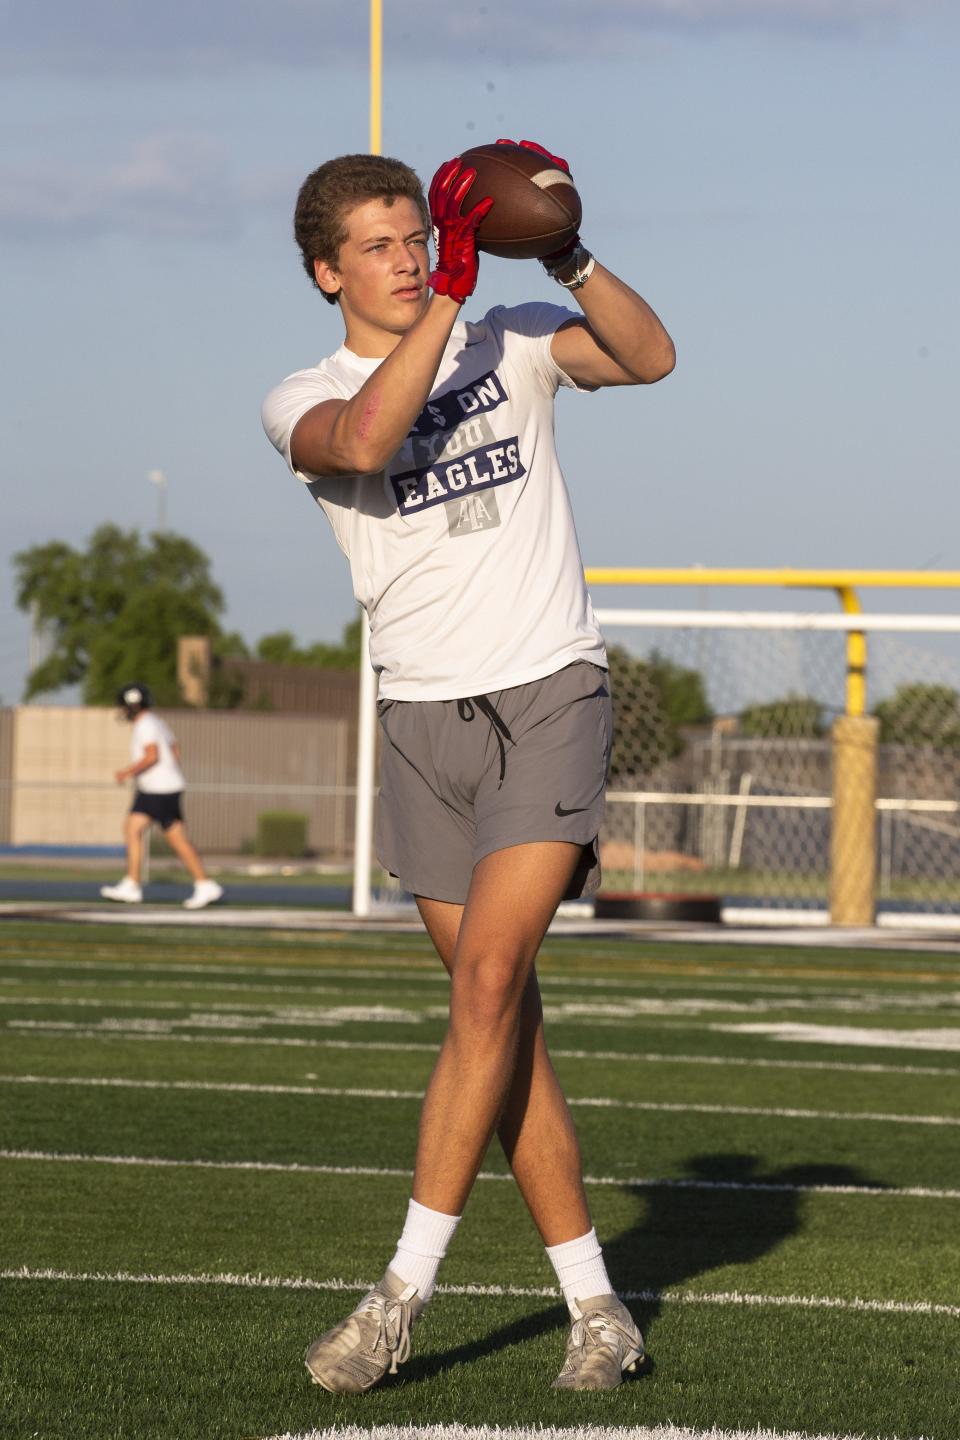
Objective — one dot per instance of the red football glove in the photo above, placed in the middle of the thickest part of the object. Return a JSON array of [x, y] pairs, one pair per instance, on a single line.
[[455, 234], [557, 160]]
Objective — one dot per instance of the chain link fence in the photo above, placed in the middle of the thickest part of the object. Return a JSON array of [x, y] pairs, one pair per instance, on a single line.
[[723, 764]]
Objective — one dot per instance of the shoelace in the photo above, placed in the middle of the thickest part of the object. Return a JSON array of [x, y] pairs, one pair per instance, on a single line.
[[402, 1319], [593, 1329]]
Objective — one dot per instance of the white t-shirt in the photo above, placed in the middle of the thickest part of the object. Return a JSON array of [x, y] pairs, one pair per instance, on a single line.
[[463, 550], [165, 777]]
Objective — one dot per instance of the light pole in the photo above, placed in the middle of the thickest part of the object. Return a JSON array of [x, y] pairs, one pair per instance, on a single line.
[[157, 477]]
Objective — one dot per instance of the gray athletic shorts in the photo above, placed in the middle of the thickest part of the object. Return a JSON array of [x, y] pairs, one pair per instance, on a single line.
[[460, 779]]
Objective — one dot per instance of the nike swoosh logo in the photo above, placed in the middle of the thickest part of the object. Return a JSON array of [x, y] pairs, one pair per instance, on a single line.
[[577, 810]]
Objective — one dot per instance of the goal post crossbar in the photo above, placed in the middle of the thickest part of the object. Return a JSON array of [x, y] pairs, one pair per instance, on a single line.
[[786, 577], [844, 583]]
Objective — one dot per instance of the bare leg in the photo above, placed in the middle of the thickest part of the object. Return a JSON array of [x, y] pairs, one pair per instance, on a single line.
[[493, 1070], [180, 843], [133, 830], [536, 1128]]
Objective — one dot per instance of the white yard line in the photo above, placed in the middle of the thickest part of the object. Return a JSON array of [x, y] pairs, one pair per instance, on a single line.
[[120, 1030], [138, 982], [577, 1003], [639, 1182], [243, 1011], [736, 1298], [602, 1102], [225, 1087], [545, 1432]]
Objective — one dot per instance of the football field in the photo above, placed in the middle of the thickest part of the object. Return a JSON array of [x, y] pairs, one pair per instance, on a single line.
[[206, 1139]]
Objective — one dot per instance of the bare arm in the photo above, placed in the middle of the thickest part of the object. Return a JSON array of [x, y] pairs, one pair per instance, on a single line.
[[620, 340], [149, 757], [358, 436]]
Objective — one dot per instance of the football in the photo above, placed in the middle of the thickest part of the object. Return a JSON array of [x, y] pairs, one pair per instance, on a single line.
[[536, 208]]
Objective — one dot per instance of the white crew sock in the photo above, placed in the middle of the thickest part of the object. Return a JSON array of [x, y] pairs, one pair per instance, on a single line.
[[581, 1272], [422, 1246]]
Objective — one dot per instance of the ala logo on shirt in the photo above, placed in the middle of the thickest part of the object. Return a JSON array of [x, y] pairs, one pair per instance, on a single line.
[[472, 513]]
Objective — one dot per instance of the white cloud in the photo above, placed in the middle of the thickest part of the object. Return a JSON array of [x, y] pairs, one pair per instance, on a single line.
[[165, 185]]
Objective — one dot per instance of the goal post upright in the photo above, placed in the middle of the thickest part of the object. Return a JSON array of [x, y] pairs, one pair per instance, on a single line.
[[366, 700]]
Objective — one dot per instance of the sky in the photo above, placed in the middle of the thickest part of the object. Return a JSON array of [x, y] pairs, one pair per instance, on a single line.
[[778, 178]]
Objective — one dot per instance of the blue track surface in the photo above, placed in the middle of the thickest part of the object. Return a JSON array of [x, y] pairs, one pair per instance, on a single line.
[[324, 897]]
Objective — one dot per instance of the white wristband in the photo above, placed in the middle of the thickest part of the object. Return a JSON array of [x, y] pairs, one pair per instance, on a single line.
[[579, 277], [583, 266]]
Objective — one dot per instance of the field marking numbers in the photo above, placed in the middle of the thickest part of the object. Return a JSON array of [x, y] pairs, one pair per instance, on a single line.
[[248, 1015], [736, 1298], [943, 1038], [639, 1182], [121, 1029], [622, 1007], [597, 1102]]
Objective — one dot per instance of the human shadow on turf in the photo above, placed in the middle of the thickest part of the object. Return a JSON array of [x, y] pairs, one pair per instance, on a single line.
[[724, 1211]]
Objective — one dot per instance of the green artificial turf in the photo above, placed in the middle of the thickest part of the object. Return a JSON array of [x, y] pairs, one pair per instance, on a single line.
[[90, 1358]]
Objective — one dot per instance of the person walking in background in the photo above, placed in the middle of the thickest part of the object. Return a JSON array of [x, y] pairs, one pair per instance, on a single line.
[[155, 766]]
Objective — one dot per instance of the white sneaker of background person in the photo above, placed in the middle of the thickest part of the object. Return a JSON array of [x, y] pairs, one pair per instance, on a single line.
[[128, 892], [205, 892]]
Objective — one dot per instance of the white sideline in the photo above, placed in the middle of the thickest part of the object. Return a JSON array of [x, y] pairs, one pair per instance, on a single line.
[[545, 1432], [742, 1299], [70, 1030], [639, 1182], [602, 1102], [398, 920]]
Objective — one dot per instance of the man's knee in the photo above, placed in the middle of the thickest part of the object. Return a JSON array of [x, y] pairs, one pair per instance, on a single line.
[[487, 990]]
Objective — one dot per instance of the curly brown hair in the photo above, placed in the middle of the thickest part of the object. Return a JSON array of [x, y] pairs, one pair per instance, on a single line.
[[329, 194]]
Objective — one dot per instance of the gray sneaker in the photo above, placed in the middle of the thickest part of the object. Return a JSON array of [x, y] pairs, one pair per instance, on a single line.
[[603, 1343], [373, 1339]]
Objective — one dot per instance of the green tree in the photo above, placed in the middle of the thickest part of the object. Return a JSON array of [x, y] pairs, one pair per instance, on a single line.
[[113, 610], [921, 714], [653, 700], [683, 691], [280, 648], [798, 715]]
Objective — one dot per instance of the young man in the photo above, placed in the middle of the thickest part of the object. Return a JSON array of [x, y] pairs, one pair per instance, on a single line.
[[428, 442], [155, 765]]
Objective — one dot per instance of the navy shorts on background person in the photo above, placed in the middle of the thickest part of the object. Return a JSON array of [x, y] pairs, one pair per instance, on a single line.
[[163, 808]]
